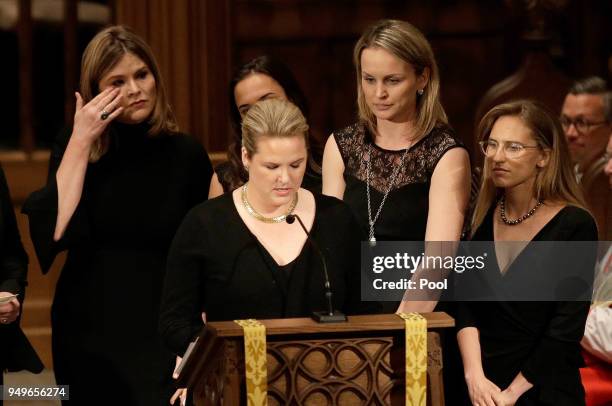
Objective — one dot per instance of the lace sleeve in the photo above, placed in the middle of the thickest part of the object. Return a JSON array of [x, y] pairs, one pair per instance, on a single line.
[[350, 143]]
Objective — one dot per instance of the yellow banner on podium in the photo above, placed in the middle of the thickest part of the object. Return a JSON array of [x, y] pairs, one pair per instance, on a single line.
[[416, 359], [255, 361]]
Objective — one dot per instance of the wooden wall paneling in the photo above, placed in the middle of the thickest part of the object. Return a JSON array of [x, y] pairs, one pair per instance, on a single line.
[[199, 58], [468, 67], [590, 18], [212, 72], [168, 34], [343, 85], [537, 77], [132, 13], [26, 104], [71, 59], [191, 41]]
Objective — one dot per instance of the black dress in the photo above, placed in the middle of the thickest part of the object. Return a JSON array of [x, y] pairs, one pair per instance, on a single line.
[[106, 305], [404, 214], [16, 353], [539, 339], [218, 266]]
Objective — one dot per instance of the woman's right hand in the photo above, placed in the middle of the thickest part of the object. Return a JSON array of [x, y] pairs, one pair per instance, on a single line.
[[481, 390], [91, 119], [9, 311]]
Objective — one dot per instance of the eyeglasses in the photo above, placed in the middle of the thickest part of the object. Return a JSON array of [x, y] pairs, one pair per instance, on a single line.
[[512, 149], [581, 125]]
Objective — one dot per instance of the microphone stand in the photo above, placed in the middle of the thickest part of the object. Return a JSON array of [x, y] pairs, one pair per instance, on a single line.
[[330, 315]]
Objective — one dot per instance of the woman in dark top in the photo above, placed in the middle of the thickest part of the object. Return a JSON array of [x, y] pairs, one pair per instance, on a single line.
[[400, 168], [118, 188], [262, 78], [16, 353], [525, 353], [236, 251]]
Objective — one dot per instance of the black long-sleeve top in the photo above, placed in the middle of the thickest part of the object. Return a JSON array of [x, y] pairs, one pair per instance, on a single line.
[[106, 306], [539, 339], [218, 266], [15, 351], [13, 258]]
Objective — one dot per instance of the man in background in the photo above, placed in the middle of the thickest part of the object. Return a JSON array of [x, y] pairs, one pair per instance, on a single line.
[[586, 118]]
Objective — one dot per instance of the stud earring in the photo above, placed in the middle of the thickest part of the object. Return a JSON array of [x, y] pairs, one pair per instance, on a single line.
[[420, 92]]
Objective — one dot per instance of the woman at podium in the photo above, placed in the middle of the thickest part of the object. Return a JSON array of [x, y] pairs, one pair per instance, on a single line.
[[236, 257], [525, 352]]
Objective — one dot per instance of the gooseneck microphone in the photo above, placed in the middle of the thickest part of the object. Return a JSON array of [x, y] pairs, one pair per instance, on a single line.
[[331, 315]]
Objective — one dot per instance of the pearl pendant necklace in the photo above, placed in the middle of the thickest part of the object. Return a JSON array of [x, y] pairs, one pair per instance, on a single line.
[[396, 170]]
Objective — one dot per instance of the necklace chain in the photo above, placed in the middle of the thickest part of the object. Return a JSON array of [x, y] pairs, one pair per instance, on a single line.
[[502, 207], [261, 217], [396, 170]]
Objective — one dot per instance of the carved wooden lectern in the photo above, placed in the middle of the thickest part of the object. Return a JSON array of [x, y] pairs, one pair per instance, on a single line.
[[358, 362]]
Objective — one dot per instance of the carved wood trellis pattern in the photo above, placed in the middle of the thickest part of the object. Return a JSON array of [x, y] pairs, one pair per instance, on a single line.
[[333, 372], [361, 362], [354, 371]]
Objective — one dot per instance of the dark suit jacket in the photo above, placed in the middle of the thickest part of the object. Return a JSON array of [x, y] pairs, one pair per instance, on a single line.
[[16, 353]]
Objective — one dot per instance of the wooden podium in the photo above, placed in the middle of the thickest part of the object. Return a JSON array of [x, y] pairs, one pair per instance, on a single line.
[[358, 362]]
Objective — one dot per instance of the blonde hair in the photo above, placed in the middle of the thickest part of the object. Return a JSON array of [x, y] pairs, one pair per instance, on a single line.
[[101, 54], [272, 118], [555, 182], [407, 43]]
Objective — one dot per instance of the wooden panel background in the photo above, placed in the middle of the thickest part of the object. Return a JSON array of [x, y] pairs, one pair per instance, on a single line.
[[200, 42]]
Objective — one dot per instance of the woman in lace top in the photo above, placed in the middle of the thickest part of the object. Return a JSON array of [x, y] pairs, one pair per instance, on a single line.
[[400, 167]]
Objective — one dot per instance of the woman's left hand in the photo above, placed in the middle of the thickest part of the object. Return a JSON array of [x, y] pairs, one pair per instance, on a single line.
[[181, 394], [504, 398], [9, 311]]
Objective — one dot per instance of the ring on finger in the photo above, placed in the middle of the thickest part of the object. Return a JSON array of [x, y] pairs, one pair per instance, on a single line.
[[104, 114]]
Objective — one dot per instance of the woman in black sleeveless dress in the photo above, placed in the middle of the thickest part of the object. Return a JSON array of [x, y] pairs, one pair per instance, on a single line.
[[400, 167]]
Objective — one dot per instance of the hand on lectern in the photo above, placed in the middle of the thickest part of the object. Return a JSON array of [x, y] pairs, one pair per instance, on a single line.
[[181, 393]]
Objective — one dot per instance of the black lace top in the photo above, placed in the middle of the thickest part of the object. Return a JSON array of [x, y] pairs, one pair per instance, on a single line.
[[404, 214]]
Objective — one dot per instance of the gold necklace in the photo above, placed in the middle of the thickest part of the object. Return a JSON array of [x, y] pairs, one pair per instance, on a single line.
[[260, 217]]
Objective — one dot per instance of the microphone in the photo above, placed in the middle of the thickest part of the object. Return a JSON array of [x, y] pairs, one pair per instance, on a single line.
[[330, 315]]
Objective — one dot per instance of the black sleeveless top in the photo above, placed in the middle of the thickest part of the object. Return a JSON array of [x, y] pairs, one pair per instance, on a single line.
[[404, 214]]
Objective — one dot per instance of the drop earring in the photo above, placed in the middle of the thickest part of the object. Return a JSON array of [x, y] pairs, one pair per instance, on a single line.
[[420, 92]]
